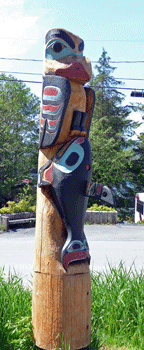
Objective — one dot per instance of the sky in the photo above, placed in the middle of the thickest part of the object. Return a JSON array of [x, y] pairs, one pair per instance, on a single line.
[[116, 26]]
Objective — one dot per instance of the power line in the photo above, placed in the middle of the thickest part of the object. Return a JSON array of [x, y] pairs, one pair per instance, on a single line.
[[130, 78], [23, 39], [36, 60], [113, 40], [4, 71], [114, 87], [39, 82], [86, 40], [40, 74], [121, 62], [23, 81], [20, 59]]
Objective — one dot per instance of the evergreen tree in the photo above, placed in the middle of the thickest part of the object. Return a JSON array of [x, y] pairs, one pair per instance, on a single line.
[[19, 125], [110, 135], [138, 164]]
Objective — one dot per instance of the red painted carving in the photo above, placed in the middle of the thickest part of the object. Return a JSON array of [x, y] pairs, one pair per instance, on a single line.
[[50, 108], [74, 70], [48, 174], [50, 91]]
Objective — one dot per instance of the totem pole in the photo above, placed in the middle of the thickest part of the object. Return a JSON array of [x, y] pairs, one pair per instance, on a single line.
[[61, 304]]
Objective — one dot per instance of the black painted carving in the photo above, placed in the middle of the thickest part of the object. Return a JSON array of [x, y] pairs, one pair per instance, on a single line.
[[76, 121], [99, 191], [90, 110], [58, 33], [83, 121], [81, 46], [55, 97], [68, 175], [79, 121]]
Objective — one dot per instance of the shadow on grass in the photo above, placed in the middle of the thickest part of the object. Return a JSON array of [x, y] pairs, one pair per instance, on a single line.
[[94, 345], [4, 344]]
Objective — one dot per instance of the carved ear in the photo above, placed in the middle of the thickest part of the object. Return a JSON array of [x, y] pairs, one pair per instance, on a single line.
[[90, 102]]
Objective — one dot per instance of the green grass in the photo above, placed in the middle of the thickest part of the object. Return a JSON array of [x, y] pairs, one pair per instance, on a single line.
[[15, 314], [117, 311], [118, 307]]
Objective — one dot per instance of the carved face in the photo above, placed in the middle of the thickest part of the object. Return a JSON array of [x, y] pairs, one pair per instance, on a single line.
[[64, 56]]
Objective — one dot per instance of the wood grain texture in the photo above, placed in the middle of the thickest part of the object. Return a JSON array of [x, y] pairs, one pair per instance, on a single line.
[[61, 305]]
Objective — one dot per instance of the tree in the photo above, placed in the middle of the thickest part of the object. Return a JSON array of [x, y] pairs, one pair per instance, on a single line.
[[19, 110], [138, 164], [112, 147]]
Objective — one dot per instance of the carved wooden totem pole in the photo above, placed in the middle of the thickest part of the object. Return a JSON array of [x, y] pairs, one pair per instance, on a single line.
[[61, 280]]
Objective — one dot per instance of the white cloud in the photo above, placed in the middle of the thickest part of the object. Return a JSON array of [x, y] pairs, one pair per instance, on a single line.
[[11, 3], [17, 31]]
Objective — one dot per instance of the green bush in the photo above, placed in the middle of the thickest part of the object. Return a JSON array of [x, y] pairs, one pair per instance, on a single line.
[[20, 207], [141, 222], [28, 193], [97, 207], [128, 218]]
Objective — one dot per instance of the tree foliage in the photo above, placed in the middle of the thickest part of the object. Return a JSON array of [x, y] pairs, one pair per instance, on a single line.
[[111, 134], [138, 164], [19, 110]]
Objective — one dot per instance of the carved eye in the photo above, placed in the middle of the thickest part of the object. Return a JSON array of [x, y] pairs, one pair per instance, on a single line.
[[72, 159], [57, 47], [74, 246], [104, 194]]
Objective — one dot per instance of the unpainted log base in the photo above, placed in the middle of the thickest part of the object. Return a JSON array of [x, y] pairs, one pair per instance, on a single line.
[[61, 307]]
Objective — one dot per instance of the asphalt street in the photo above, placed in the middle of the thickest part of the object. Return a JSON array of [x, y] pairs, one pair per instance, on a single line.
[[109, 244]]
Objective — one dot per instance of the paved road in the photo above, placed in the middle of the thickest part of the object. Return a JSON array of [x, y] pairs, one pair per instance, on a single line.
[[108, 243]]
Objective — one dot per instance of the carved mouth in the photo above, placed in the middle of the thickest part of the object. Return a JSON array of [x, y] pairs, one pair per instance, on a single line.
[[50, 109], [76, 256], [74, 70], [51, 123]]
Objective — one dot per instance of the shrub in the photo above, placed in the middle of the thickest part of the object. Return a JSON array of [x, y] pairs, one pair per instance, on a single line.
[[28, 193], [141, 222], [13, 207], [98, 207]]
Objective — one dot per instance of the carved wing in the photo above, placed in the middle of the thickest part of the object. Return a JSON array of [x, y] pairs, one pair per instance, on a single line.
[[55, 97]]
